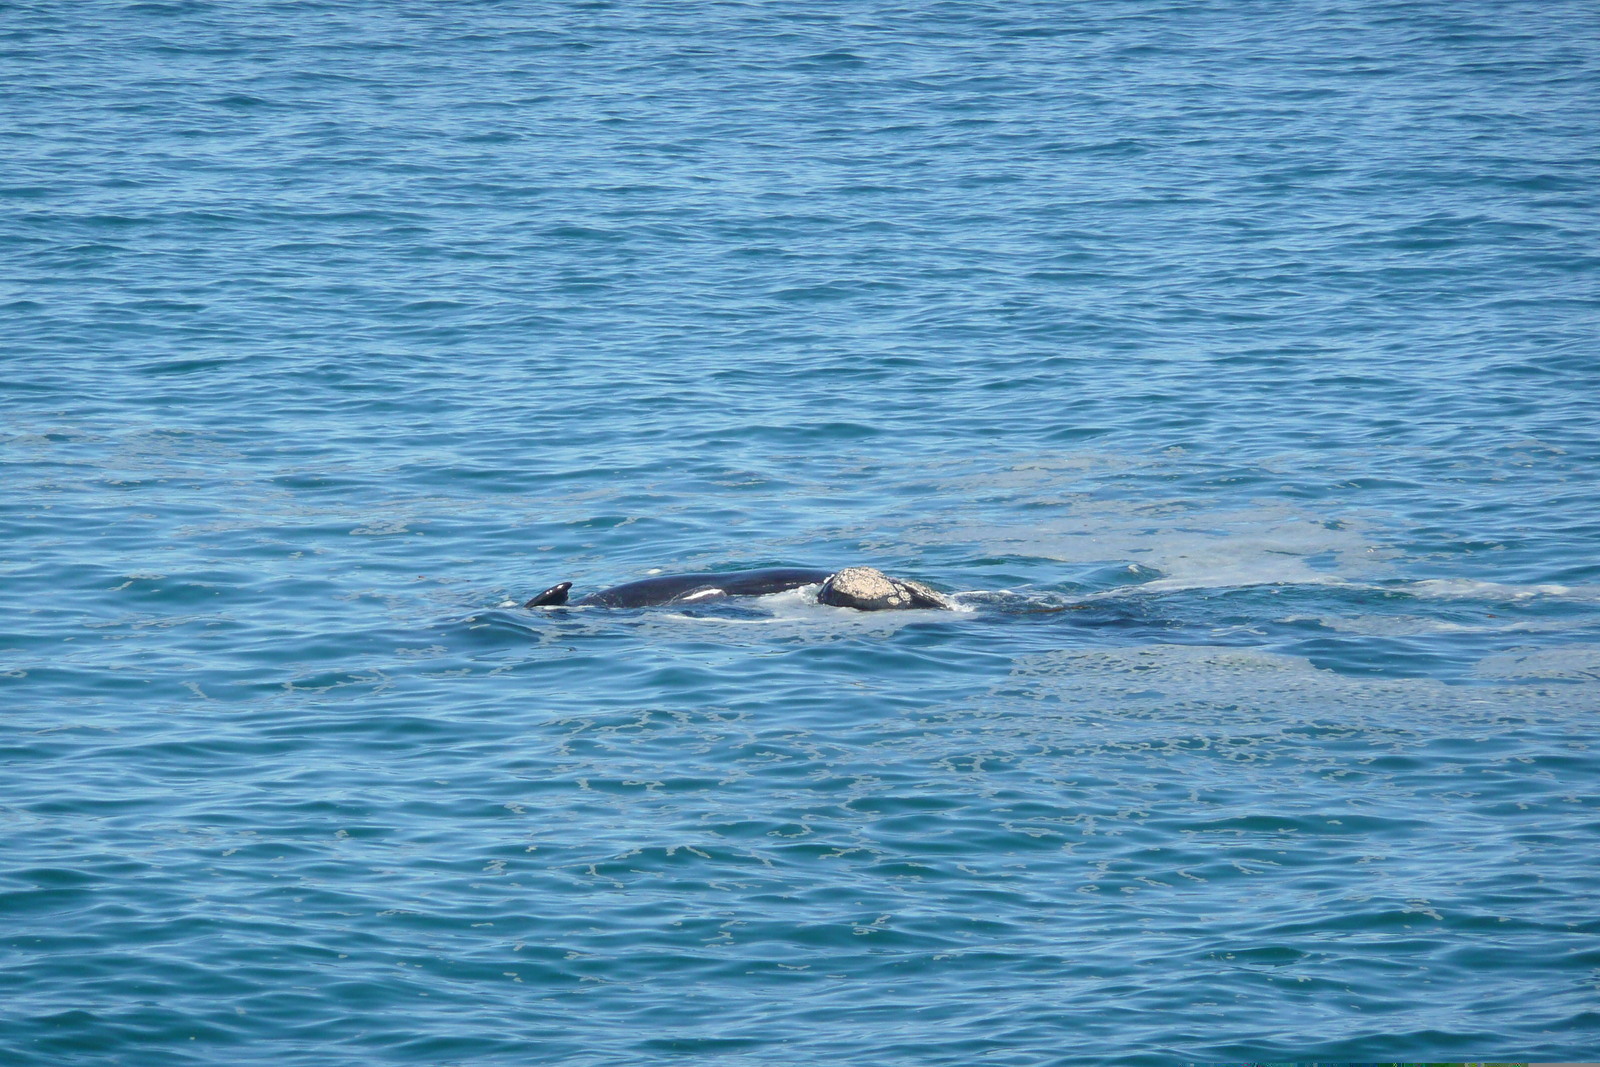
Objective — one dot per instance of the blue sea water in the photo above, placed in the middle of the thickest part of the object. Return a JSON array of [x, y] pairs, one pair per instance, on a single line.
[[1235, 362]]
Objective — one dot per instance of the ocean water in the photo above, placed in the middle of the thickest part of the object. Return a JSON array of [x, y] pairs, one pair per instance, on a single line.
[[1234, 363]]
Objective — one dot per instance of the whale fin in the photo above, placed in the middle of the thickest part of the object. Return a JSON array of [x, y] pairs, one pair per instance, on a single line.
[[555, 596]]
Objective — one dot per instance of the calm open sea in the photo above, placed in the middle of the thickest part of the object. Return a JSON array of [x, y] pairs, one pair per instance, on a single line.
[[1238, 361]]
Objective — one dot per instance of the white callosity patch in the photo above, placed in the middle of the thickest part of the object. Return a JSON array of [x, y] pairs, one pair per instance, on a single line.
[[865, 583], [869, 589], [928, 592]]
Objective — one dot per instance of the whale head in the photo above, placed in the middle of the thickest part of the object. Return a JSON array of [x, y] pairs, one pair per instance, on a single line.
[[867, 589]]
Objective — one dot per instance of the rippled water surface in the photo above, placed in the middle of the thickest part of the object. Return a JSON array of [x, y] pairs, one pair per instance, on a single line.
[[1235, 363]]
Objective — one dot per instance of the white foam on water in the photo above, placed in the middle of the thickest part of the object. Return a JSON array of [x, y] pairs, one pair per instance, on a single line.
[[1235, 577], [1250, 684], [1174, 536], [1473, 587], [1396, 625], [1573, 663]]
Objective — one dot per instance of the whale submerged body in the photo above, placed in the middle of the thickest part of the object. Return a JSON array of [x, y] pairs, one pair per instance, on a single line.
[[862, 588]]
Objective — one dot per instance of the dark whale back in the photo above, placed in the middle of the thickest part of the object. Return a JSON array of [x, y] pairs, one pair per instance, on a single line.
[[674, 588], [678, 587]]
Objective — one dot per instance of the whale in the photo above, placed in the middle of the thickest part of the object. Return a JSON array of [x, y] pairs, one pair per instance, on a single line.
[[862, 588]]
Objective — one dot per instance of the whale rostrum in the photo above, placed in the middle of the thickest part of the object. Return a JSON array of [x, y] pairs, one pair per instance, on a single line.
[[867, 589], [863, 588]]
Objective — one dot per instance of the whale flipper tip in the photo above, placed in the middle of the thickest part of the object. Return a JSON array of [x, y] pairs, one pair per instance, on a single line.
[[555, 596]]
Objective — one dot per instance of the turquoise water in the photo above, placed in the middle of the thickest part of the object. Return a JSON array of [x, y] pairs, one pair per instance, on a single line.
[[1234, 362]]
